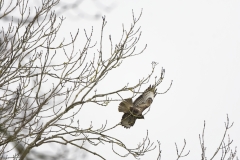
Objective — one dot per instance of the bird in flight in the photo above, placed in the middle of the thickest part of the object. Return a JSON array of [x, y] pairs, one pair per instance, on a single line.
[[133, 110]]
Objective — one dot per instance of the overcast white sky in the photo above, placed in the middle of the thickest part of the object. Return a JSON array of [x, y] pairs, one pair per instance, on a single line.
[[197, 42]]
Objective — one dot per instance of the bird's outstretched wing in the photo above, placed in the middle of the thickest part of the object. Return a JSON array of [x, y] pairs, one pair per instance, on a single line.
[[128, 120], [146, 99]]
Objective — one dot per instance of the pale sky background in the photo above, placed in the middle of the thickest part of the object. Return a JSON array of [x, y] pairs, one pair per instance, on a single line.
[[197, 42]]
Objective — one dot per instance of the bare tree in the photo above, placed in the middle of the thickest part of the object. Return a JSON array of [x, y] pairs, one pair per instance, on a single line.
[[32, 114], [77, 11], [42, 94], [224, 149]]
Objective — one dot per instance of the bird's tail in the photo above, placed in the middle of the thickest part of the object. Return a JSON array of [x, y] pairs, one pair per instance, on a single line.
[[125, 105]]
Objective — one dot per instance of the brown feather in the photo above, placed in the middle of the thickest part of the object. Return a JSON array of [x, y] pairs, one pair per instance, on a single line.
[[142, 107], [125, 105], [128, 120]]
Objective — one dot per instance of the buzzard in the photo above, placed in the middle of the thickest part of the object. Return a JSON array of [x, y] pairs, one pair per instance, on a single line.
[[134, 110]]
